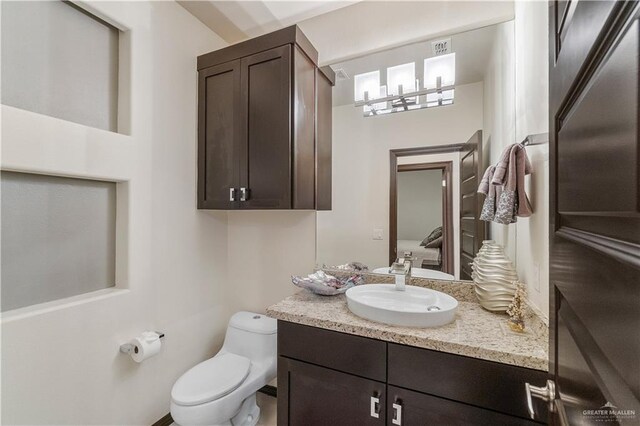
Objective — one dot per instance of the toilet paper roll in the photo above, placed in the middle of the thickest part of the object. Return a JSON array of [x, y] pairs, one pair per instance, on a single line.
[[145, 346]]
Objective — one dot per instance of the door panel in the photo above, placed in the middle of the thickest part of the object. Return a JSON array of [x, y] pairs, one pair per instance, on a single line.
[[599, 297], [581, 28], [599, 133], [320, 396], [266, 147], [219, 110], [472, 229], [578, 383], [595, 208]]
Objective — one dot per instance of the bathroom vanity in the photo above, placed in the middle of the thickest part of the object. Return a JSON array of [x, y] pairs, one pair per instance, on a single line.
[[337, 368]]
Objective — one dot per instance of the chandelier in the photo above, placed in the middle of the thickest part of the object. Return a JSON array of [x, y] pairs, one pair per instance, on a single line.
[[402, 91]]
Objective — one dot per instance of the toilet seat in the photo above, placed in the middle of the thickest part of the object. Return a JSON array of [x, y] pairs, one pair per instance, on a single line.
[[211, 379]]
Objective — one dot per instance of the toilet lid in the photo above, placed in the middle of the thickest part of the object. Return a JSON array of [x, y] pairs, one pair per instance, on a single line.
[[211, 379]]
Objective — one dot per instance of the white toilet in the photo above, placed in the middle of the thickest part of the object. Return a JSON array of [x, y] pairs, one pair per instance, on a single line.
[[222, 390]]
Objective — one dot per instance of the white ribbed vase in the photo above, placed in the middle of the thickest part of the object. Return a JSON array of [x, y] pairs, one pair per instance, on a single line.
[[494, 277]]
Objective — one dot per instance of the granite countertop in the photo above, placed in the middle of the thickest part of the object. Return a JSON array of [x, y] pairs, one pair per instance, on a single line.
[[475, 332]]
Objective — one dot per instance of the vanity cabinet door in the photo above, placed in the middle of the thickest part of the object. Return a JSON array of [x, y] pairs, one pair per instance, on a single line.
[[265, 146], [407, 408], [218, 132], [312, 395]]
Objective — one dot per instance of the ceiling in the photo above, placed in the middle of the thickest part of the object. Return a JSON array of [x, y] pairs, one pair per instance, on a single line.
[[472, 48], [238, 20], [342, 30]]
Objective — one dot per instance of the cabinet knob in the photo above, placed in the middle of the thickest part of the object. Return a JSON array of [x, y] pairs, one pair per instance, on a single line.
[[375, 407], [397, 413], [232, 194], [244, 194]]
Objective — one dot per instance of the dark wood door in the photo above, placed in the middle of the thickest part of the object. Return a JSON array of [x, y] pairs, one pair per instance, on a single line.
[[320, 396], [594, 211], [408, 408], [218, 154], [472, 229], [265, 148]]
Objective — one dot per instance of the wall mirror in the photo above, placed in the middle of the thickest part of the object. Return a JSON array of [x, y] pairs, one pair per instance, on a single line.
[[406, 169]]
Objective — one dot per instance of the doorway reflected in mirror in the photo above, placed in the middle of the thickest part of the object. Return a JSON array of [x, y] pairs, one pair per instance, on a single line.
[[422, 216]]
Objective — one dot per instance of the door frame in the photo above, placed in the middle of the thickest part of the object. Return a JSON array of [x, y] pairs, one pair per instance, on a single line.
[[447, 206]]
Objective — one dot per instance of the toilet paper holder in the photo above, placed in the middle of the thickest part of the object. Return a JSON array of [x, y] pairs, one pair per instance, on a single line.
[[128, 348]]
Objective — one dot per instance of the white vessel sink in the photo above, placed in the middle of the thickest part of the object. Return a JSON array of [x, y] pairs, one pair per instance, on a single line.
[[414, 307], [420, 273]]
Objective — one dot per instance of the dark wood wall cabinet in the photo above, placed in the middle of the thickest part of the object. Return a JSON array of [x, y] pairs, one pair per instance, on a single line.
[[264, 125], [331, 378]]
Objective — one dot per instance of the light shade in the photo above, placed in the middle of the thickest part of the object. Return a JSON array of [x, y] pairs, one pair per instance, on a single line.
[[401, 75], [443, 66], [367, 82], [438, 99]]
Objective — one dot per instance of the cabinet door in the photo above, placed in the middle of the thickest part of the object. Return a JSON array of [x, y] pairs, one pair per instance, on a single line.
[[265, 148], [312, 395], [406, 408], [218, 133]]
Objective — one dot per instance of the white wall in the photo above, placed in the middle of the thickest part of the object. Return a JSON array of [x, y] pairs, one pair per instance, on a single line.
[[60, 361], [519, 64], [532, 116], [419, 203], [361, 171], [265, 248], [499, 116]]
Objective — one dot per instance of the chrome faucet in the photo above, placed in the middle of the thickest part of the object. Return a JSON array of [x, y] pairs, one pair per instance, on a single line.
[[402, 270]]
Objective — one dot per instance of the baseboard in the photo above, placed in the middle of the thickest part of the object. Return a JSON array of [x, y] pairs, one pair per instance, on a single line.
[[165, 421], [269, 390]]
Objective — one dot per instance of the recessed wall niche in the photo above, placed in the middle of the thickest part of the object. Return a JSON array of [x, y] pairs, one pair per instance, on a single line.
[[61, 61], [58, 237]]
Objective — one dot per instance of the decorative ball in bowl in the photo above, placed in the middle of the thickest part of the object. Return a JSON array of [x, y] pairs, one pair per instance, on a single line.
[[326, 285]]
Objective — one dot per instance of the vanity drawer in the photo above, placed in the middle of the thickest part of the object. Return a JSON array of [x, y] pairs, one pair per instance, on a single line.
[[413, 408], [487, 384], [339, 351]]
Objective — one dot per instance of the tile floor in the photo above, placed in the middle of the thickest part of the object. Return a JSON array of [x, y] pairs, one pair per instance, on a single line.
[[267, 406]]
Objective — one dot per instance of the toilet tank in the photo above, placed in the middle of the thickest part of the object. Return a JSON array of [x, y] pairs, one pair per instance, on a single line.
[[252, 335]]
